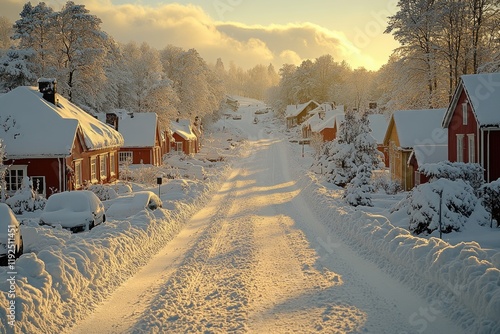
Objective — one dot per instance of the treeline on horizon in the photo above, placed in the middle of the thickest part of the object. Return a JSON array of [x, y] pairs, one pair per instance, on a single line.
[[440, 41]]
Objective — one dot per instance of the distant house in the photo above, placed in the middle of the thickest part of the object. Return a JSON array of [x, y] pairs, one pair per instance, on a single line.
[[232, 103], [185, 139], [54, 142], [473, 123], [406, 130], [141, 135], [378, 127], [321, 122], [297, 113]]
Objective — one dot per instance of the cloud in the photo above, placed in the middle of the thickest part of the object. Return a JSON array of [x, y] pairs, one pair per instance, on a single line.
[[189, 26]]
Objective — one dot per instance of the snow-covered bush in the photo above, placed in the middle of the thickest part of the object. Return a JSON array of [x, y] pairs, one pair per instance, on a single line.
[[122, 188], [26, 199], [383, 182], [104, 192], [359, 190], [422, 206], [471, 173], [145, 174], [490, 197]]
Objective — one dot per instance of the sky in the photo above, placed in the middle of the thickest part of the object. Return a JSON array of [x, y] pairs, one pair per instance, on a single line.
[[249, 33]]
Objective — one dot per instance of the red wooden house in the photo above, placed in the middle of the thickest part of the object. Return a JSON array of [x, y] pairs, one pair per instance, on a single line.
[[321, 122], [54, 142], [184, 136], [298, 113], [473, 123], [141, 135]]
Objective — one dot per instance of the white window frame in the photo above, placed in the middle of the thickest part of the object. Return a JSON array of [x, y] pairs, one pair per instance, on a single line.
[[179, 146], [460, 148], [471, 148], [93, 169], [103, 167], [125, 156], [18, 178], [78, 174], [464, 113]]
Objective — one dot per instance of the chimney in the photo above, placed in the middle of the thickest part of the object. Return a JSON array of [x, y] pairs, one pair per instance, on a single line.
[[112, 120], [48, 88]]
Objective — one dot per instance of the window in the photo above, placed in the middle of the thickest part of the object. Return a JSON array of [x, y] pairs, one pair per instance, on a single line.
[[39, 184], [460, 148], [78, 174], [103, 167], [112, 164], [464, 113], [14, 177], [93, 169], [178, 146], [472, 148], [125, 157]]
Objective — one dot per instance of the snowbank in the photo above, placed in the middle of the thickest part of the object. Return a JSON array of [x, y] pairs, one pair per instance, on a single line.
[[463, 274], [62, 275]]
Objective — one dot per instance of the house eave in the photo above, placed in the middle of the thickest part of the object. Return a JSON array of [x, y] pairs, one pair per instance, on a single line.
[[36, 156]]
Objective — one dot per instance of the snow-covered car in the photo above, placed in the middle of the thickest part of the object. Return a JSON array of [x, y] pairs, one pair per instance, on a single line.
[[11, 240], [263, 111], [237, 117], [76, 211], [126, 206]]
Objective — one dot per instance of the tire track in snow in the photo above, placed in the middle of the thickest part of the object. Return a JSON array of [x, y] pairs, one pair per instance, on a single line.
[[208, 292]]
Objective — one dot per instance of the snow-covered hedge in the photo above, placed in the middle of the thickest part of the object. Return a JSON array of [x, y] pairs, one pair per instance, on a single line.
[[490, 197], [458, 202], [471, 173]]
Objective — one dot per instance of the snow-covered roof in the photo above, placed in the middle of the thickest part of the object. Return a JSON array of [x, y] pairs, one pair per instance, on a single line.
[[483, 94], [294, 110], [183, 128], [325, 107], [322, 119], [429, 154], [138, 129], [34, 127], [378, 125], [417, 127]]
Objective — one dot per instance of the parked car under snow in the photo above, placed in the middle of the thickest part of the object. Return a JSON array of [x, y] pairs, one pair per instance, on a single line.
[[126, 206], [76, 211], [11, 240]]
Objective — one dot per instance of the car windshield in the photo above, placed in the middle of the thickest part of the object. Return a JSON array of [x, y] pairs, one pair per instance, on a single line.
[[64, 201]]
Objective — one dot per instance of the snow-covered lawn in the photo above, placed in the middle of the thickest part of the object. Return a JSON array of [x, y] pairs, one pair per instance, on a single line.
[[63, 276]]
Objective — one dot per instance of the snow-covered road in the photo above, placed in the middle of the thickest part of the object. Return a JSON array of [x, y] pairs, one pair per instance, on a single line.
[[258, 259]]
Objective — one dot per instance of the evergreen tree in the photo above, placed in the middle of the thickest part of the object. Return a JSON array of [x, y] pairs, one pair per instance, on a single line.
[[353, 147], [359, 190], [17, 69]]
